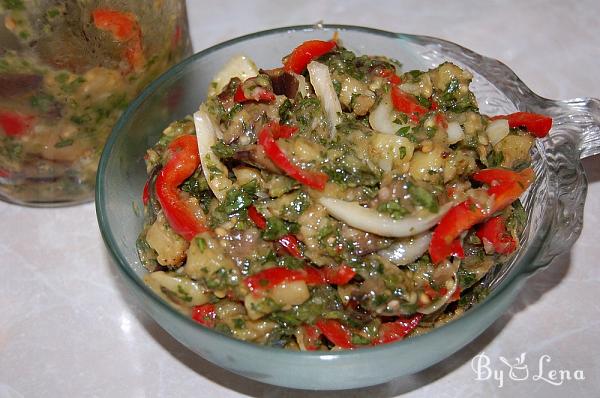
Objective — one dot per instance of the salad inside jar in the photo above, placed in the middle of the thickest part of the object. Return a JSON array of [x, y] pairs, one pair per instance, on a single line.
[[335, 201], [67, 71]]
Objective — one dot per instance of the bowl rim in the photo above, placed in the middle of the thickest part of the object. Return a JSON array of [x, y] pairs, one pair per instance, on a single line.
[[502, 288]]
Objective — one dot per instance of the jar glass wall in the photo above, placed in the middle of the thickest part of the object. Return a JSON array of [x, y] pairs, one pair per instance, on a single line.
[[68, 69]]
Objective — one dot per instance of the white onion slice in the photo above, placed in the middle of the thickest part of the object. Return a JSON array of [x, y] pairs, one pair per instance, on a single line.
[[438, 303], [382, 118], [216, 173], [497, 130], [303, 87], [455, 133], [407, 250], [320, 78], [370, 220], [239, 66]]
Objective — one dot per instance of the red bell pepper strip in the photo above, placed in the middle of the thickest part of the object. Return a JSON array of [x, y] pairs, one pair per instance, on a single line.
[[390, 75], [397, 330], [302, 55], [406, 104], [431, 292], [536, 124], [459, 219], [494, 232], [146, 193], [339, 275], [257, 218], [335, 332], [205, 314], [441, 121], [495, 176], [259, 94], [314, 276], [505, 187], [457, 249], [456, 295], [283, 131], [183, 162], [288, 241], [271, 277], [266, 138], [125, 28], [291, 245], [15, 124], [312, 335]]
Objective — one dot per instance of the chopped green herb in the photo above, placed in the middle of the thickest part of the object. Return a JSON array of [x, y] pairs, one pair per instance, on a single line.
[[277, 227], [285, 111], [201, 242], [183, 294], [465, 278], [222, 150], [495, 159], [402, 152], [296, 207], [239, 323], [423, 197], [64, 143], [517, 219], [13, 4], [393, 208], [52, 12]]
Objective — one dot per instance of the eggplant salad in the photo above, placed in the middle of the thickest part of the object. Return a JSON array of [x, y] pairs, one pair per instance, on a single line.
[[334, 202]]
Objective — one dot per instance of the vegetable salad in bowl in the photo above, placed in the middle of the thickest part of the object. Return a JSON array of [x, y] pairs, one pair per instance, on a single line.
[[334, 202]]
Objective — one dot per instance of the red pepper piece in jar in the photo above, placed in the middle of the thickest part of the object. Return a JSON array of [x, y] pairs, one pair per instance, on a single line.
[[183, 162], [15, 124], [306, 52], [125, 28], [536, 124]]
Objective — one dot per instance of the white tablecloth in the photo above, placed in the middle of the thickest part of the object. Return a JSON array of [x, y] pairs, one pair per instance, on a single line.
[[68, 328]]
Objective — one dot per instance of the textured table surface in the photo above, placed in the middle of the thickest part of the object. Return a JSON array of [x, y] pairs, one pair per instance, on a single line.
[[68, 328]]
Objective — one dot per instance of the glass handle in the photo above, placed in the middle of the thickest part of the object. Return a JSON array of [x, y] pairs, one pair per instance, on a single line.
[[575, 135], [579, 117]]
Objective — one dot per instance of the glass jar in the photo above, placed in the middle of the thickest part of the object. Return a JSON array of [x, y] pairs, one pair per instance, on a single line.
[[68, 69]]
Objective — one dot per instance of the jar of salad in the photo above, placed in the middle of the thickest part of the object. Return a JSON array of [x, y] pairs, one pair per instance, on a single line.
[[68, 69]]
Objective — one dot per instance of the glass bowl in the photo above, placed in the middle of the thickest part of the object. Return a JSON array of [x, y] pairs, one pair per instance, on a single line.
[[554, 203]]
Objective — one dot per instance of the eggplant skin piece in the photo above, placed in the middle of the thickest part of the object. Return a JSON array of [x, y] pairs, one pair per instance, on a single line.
[[16, 84], [284, 83], [255, 155]]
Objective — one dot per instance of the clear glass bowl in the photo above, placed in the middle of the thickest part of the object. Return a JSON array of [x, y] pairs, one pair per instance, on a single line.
[[68, 69], [555, 202]]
